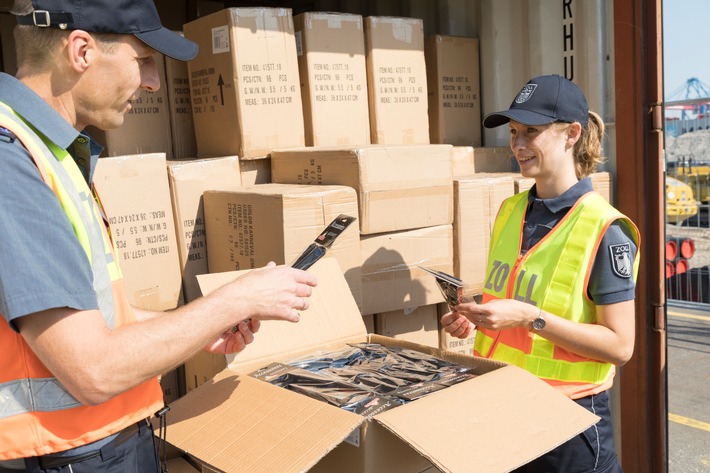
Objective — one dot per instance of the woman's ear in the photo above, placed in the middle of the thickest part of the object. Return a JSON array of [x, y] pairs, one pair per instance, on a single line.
[[574, 132]]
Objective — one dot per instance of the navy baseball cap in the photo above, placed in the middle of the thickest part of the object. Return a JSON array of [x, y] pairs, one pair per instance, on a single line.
[[543, 100], [137, 17]]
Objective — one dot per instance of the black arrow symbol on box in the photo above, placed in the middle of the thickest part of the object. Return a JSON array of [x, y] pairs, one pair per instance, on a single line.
[[220, 83]]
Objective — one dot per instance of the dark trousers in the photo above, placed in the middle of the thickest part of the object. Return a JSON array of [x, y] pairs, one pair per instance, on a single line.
[[136, 455], [591, 451]]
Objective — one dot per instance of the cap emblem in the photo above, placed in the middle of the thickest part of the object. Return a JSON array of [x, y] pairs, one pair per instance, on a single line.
[[526, 93]]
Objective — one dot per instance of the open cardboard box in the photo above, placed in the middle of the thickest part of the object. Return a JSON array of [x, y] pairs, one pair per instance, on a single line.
[[492, 423]]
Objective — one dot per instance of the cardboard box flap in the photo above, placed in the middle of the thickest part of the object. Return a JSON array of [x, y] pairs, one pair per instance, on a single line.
[[332, 319], [237, 423], [504, 419]]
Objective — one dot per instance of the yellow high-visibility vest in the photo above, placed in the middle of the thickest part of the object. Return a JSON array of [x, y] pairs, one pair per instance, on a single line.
[[38, 415], [552, 275]]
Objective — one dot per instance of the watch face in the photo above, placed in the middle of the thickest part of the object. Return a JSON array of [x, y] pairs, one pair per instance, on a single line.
[[539, 324]]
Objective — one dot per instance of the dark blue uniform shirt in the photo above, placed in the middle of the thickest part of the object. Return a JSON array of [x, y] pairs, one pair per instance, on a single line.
[[42, 264], [606, 286]]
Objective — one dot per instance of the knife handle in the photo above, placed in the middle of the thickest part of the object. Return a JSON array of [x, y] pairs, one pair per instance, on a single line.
[[312, 254]]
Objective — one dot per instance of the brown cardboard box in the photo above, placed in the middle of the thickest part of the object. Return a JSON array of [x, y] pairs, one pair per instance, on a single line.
[[180, 465], [250, 226], [418, 325], [237, 423], [202, 367], [601, 182], [476, 203], [255, 171], [453, 86], [135, 194], [146, 126], [520, 182], [495, 159], [396, 80], [369, 322], [391, 279], [331, 65], [399, 187], [182, 126], [188, 180], [246, 98], [463, 162]]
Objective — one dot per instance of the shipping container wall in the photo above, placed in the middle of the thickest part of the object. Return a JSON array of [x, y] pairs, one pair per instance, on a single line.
[[520, 39]]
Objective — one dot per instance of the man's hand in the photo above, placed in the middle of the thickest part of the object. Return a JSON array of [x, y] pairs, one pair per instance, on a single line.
[[234, 342], [268, 293]]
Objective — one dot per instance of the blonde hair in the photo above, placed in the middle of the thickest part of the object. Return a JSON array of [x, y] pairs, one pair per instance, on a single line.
[[588, 148]]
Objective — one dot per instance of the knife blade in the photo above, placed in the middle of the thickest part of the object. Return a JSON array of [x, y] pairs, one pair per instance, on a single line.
[[320, 245]]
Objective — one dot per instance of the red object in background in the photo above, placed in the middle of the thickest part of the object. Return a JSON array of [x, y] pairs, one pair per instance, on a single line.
[[670, 269], [671, 250], [687, 248], [679, 248]]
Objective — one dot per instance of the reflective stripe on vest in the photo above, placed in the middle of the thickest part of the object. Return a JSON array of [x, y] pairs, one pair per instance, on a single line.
[[551, 275], [18, 396], [37, 415]]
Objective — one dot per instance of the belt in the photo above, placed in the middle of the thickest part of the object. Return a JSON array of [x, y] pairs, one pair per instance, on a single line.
[[47, 461]]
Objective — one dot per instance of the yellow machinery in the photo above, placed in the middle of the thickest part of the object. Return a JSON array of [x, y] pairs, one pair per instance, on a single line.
[[680, 203], [696, 174]]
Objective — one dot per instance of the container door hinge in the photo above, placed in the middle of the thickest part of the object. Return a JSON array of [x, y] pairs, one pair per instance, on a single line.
[[656, 115], [659, 318]]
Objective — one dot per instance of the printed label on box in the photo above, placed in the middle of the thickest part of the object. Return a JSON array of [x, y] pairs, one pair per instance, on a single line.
[[220, 39]]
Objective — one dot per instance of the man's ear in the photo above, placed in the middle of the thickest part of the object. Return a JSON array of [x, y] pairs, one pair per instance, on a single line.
[[81, 50]]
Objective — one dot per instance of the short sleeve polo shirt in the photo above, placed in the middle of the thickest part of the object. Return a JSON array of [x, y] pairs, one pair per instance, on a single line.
[[606, 285], [42, 264]]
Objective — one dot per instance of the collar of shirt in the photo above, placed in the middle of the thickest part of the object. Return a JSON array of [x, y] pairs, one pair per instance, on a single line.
[[48, 122], [564, 201]]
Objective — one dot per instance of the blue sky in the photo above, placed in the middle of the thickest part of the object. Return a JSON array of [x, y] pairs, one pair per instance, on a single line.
[[686, 42]]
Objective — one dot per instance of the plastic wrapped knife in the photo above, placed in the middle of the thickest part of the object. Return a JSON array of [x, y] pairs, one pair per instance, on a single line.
[[320, 245], [454, 290]]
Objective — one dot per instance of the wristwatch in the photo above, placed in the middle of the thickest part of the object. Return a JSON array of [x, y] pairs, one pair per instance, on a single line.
[[539, 322]]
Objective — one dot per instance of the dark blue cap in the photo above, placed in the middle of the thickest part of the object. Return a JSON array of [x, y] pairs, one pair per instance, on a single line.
[[543, 100], [137, 17]]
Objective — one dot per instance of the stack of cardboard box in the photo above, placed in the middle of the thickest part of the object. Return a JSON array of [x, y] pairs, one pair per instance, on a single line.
[[280, 124]]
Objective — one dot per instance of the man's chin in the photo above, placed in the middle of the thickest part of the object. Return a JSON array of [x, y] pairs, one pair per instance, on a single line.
[[112, 124]]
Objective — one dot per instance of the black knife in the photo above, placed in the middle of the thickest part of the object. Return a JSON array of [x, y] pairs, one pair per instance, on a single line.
[[320, 245]]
